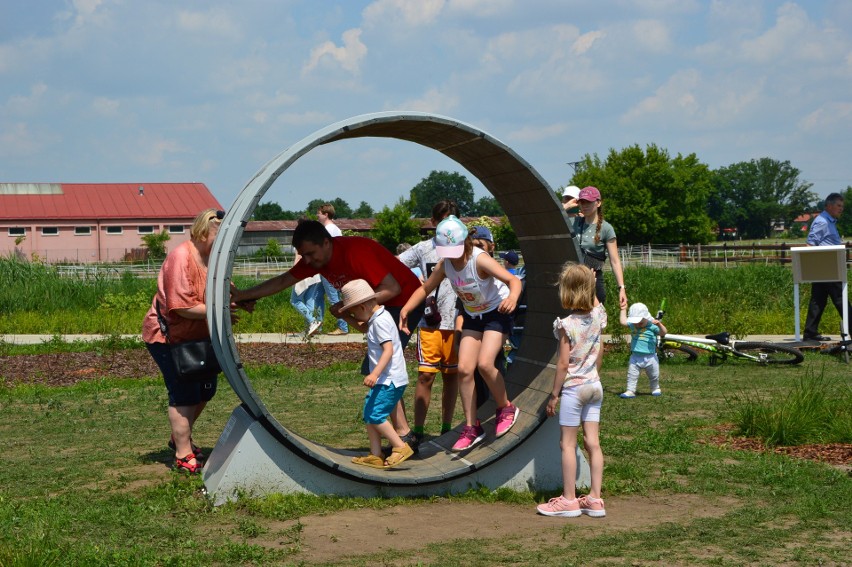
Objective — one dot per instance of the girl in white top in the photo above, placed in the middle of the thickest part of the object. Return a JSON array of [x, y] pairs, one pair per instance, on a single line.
[[474, 277], [577, 389]]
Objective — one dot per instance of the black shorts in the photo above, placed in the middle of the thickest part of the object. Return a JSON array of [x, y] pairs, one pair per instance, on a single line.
[[180, 393], [491, 321]]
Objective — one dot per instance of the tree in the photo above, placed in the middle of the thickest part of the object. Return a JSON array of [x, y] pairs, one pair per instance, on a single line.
[[156, 244], [394, 226], [272, 211], [487, 207], [754, 195], [650, 197], [342, 210], [844, 223], [364, 211], [442, 185]]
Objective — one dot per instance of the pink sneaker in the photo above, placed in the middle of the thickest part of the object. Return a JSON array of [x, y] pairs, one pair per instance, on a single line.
[[506, 419], [592, 507], [560, 506], [471, 435]]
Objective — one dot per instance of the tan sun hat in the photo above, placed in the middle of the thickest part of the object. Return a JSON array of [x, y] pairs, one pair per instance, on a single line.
[[355, 293]]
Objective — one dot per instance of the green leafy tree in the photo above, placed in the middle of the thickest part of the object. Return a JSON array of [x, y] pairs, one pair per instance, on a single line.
[[271, 250], [649, 197], [342, 210], [753, 195], [156, 244], [487, 207], [442, 185], [364, 211], [844, 223], [394, 226], [272, 211]]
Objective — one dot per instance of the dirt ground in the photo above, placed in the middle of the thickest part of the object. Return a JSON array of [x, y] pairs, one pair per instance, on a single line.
[[337, 537]]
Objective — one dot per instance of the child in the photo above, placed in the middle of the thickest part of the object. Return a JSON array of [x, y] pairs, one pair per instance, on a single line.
[[388, 376], [487, 320], [577, 388], [644, 331]]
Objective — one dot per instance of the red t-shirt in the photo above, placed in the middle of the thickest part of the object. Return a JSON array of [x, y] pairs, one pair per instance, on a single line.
[[356, 257]]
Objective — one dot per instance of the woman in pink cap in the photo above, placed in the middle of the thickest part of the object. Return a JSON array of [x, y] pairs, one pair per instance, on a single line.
[[596, 240]]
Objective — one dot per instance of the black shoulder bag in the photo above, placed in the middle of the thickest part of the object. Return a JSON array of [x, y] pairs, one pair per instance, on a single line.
[[195, 361]]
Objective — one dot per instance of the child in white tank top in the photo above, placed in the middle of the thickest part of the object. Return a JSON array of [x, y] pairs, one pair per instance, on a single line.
[[487, 321]]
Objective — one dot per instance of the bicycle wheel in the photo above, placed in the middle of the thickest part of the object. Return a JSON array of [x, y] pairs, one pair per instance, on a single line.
[[771, 354], [671, 352]]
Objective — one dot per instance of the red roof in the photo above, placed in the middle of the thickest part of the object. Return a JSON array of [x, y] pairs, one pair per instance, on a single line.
[[37, 201]]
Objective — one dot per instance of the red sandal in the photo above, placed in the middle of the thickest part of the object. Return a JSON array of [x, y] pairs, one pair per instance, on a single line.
[[195, 448], [183, 464]]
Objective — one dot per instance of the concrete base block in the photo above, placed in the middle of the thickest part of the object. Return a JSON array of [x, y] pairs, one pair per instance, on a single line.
[[248, 460]]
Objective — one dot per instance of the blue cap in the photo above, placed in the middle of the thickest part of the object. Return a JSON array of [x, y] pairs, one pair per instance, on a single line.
[[482, 233], [450, 235]]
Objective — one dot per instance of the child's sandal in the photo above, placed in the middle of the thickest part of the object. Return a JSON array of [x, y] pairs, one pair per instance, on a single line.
[[373, 461], [398, 455], [183, 464]]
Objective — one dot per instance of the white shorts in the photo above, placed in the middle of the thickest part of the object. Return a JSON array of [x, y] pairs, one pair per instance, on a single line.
[[572, 411]]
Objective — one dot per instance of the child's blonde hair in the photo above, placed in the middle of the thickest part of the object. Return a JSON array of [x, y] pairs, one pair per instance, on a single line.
[[577, 287]]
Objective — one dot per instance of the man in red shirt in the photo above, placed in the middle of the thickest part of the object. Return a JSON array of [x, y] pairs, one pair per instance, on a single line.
[[341, 260]]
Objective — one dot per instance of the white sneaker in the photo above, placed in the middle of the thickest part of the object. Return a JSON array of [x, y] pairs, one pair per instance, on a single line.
[[628, 394], [657, 392], [313, 328]]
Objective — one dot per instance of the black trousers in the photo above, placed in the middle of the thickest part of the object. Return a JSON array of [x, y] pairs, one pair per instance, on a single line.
[[820, 292]]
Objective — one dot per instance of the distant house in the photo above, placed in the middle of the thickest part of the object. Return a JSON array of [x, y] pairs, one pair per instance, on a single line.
[[95, 222]]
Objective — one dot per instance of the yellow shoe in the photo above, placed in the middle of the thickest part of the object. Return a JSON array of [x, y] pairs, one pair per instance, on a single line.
[[398, 455], [370, 461], [338, 331]]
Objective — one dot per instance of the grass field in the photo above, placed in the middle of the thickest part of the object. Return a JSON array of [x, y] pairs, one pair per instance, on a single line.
[[84, 480]]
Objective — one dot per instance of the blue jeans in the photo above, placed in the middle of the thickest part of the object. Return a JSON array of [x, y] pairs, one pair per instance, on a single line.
[[309, 302], [333, 296]]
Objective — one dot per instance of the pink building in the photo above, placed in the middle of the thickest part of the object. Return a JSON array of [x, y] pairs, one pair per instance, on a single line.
[[95, 222]]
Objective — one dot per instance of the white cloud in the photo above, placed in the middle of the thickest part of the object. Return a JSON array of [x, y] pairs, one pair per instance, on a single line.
[[305, 118], [585, 42], [690, 100], [433, 100], [789, 35], [537, 133], [156, 152], [480, 8], [17, 140], [348, 57], [105, 106], [830, 116], [411, 13], [214, 21], [653, 35], [27, 105]]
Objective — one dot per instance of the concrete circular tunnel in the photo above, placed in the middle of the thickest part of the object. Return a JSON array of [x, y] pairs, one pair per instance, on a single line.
[[541, 226]]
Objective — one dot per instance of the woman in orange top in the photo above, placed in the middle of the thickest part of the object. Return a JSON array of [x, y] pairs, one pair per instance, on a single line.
[[181, 297]]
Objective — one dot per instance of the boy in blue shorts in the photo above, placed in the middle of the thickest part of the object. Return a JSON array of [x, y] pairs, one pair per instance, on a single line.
[[644, 331], [388, 375]]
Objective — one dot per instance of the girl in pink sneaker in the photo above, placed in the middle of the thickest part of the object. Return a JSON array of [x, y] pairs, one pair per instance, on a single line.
[[486, 321], [577, 389]]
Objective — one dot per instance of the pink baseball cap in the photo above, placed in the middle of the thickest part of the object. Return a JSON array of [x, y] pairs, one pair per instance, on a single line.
[[589, 194]]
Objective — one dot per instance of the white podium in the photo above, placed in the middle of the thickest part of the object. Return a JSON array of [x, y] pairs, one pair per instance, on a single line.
[[820, 264]]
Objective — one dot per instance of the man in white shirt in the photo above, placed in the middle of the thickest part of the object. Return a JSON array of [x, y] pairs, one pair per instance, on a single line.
[[325, 214]]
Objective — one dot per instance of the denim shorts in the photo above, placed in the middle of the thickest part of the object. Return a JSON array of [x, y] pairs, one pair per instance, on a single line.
[[380, 401], [180, 393]]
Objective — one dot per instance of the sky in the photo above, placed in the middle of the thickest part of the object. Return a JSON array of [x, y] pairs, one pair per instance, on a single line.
[[123, 91]]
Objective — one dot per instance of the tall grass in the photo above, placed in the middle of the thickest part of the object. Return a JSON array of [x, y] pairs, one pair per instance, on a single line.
[[748, 299], [816, 410]]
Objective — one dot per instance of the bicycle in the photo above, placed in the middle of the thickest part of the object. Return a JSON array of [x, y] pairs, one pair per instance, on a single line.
[[721, 346]]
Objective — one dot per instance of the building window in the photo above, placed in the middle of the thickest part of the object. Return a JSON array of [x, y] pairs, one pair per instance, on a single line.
[[145, 229], [82, 230], [114, 230], [17, 231], [176, 229], [49, 230]]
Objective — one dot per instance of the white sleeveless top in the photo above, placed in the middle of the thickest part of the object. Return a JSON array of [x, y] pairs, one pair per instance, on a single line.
[[477, 295]]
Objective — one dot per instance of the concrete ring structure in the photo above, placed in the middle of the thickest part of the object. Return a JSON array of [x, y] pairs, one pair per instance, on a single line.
[[542, 229]]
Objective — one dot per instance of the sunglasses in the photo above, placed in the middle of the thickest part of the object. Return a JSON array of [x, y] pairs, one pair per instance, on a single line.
[[218, 216]]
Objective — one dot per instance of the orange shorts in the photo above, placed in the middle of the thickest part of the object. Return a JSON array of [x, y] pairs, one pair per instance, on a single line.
[[437, 351]]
